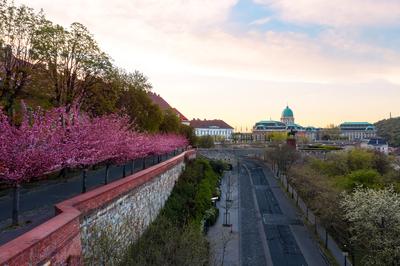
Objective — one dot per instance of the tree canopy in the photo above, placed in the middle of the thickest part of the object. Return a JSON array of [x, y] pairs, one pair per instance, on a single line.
[[48, 65], [390, 130]]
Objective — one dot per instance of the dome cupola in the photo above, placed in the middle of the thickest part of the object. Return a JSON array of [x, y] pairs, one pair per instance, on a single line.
[[287, 116], [287, 112]]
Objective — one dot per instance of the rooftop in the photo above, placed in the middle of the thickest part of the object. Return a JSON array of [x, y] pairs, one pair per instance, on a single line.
[[287, 112], [164, 105], [217, 123], [356, 123]]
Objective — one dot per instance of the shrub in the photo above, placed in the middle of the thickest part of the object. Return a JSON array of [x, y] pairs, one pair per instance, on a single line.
[[366, 177]]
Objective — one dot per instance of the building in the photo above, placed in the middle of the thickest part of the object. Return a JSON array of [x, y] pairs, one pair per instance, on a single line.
[[164, 106], [216, 128], [377, 144], [357, 130], [287, 123], [287, 116]]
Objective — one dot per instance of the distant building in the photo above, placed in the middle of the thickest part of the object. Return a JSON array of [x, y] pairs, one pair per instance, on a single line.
[[377, 144], [262, 128], [216, 128], [357, 130], [164, 105], [287, 116]]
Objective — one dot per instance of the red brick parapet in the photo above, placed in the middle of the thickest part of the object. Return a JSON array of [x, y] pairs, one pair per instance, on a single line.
[[58, 241]]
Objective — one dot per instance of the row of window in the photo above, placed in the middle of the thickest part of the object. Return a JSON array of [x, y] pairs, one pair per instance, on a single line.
[[205, 132], [358, 135]]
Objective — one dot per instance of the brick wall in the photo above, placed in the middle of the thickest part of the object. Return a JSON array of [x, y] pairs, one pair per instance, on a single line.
[[99, 224]]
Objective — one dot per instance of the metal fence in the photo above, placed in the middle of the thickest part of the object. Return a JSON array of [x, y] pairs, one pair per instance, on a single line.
[[37, 199], [341, 256], [329, 243]]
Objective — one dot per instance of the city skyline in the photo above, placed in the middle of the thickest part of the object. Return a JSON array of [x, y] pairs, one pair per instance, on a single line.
[[242, 61]]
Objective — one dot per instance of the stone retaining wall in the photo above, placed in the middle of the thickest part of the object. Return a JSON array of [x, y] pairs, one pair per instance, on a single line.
[[99, 225]]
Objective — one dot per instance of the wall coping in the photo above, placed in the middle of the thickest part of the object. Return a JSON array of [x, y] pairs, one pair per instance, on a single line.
[[71, 210]]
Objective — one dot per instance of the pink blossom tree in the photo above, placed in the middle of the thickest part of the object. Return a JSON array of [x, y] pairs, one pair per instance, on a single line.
[[28, 151], [56, 139]]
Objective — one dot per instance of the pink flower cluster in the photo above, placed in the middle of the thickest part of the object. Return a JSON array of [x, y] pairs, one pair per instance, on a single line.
[[53, 140]]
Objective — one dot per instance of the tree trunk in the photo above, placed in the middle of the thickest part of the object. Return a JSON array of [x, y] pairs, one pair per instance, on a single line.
[[84, 173], [106, 175], [124, 170], [15, 210], [144, 163], [132, 167]]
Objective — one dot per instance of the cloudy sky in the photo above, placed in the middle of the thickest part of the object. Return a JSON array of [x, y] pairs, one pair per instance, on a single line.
[[244, 60]]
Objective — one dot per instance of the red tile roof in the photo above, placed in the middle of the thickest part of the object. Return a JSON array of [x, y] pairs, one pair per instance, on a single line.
[[164, 105], [197, 123], [157, 99], [180, 115]]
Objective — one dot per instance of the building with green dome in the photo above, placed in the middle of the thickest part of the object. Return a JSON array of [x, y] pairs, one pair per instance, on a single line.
[[287, 123], [287, 116]]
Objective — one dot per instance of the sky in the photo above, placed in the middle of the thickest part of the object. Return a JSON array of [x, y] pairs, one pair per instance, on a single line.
[[244, 60]]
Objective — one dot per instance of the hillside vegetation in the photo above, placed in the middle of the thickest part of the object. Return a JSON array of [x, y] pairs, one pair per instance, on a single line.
[[339, 190], [390, 130]]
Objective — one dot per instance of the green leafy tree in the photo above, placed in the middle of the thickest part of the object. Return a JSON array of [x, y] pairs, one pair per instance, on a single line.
[[134, 100], [18, 33], [366, 177], [205, 142], [360, 159], [170, 122], [188, 132], [73, 60], [390, 130]]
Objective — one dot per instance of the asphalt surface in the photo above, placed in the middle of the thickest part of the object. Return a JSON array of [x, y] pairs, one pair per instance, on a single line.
[[271, 228]]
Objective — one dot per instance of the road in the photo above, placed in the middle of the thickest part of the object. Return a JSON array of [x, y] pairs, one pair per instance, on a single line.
[[271, 228]]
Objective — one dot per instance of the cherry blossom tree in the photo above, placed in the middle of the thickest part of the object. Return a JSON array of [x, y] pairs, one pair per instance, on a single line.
[[28, 151], [49, 141]]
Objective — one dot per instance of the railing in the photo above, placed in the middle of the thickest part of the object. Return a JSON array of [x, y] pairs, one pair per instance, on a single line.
[[329, 243], [341, 257], [38, 198]]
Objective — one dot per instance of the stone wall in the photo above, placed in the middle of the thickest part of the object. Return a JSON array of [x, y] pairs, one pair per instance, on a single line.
[[108, 231], [96, 227]]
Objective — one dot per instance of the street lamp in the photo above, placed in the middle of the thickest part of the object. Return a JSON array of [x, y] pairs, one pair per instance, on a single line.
[[345, 254]]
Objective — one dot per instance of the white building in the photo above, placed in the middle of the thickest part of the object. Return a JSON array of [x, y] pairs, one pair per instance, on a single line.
[[216, 128], [357, 130], [377, 144]]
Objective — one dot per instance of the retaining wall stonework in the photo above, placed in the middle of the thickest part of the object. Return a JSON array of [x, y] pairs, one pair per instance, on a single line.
[[100, 224]]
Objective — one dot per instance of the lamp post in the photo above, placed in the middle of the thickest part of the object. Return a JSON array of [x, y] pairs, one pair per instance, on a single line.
[[345, 254]]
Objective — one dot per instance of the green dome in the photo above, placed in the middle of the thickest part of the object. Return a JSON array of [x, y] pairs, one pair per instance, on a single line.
[[287, 112]]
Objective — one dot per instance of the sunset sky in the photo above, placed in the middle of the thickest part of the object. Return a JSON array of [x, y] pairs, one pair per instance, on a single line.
[[243, 61]]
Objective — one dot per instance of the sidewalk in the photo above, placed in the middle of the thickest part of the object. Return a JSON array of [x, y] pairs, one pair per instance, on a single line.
[[224, 240]]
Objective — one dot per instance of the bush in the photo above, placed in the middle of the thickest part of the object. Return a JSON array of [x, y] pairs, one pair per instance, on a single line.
[[211, 216], [366, 177], [205, 142], [175, 237]]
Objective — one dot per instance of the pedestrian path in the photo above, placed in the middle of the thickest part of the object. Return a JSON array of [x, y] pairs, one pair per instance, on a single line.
[[224, 240]]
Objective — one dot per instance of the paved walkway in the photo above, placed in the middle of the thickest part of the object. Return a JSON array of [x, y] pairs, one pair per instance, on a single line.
[[224, 240]]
